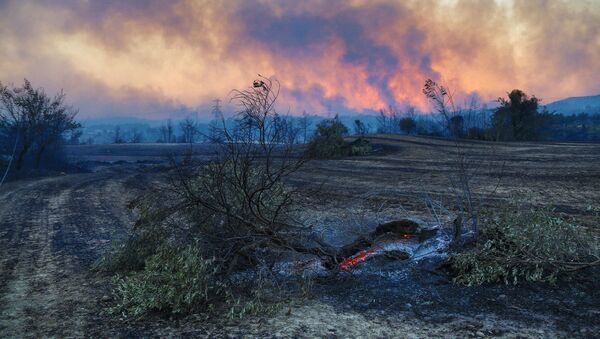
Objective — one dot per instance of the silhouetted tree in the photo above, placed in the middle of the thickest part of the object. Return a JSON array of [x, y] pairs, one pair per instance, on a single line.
[[456, 126], [189, 128], [388, 120], [304, 126], [408, 125], [136, 137], [33, 122], [214, 128], [118, 138], [360, 128], [517, 118]]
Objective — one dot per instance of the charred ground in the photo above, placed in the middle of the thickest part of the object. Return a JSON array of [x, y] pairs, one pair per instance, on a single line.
[[52, 230]]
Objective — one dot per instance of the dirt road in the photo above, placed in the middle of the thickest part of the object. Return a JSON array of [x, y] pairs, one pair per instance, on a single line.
[[51, 230]]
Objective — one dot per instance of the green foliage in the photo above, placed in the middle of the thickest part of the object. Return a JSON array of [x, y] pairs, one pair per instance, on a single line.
[[131, 254], [360, 146], [517, 118], [174, 280], [328, 141], [525, 244]]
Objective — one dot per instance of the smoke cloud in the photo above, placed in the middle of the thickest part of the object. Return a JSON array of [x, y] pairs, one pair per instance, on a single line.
[[154, 58]]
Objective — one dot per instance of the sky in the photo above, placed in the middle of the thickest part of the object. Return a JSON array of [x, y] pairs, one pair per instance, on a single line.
[[167, 58]]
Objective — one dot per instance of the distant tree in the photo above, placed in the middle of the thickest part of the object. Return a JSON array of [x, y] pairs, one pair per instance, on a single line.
[[31, 122], [170, 131], [382, 122], [215, 127], [304, 126], [167, 132], [118, 137], [291, 132], [517, 118], [360, 128], [477, 133], [408, 125], [136, 137], [456, 126], [190, 130], [163, 134], [75, 136], [388, 120]]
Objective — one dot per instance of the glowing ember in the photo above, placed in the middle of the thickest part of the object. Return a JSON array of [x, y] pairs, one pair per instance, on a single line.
[[360, 257], [366, 254]]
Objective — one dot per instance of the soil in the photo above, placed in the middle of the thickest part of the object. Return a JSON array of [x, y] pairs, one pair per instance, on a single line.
[[52, 229]]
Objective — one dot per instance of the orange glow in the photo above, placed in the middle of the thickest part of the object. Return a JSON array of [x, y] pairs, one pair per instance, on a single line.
[[148, 60], [358, 258]]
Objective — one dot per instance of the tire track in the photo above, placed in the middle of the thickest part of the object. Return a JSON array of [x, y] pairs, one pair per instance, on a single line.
[[51, 230]]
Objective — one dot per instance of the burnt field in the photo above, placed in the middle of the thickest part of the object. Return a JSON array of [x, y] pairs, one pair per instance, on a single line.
[[52, 229], [407, 170]]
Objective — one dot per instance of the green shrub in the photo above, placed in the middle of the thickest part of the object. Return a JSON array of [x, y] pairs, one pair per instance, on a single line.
[[131, 254], [328, 141], [174, 280], [359, 147], [525, 244]]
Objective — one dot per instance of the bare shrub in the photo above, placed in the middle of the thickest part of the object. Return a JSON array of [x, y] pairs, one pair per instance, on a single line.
[[466, 166], [234, 207]]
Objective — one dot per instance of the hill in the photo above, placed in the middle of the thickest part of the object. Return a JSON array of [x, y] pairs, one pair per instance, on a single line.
[[576, 105]]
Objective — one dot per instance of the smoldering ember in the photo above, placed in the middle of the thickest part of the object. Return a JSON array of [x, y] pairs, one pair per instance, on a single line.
[[310, 169]]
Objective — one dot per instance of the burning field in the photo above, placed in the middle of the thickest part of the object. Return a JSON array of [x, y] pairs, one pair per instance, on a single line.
[[375, 210]]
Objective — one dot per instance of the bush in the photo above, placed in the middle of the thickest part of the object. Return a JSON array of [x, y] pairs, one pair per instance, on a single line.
[[328, 141], [360, 146], [234, 207], [408, 125], [174, 280], [525, 244], [131, 254]]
